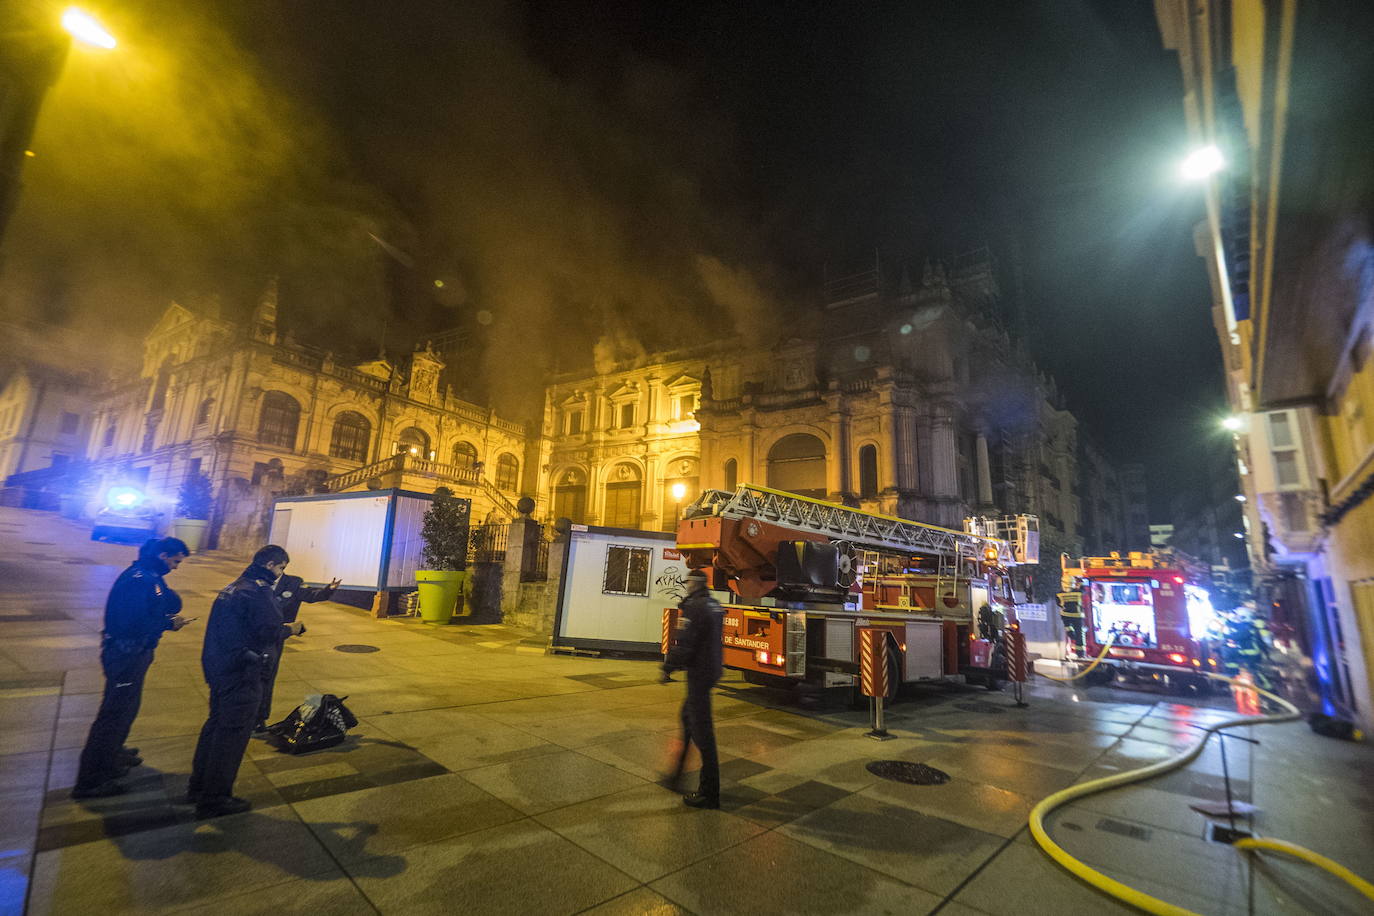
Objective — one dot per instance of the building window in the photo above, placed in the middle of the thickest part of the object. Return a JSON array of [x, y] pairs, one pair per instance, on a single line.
[[627, 415], [570, 497], [280, 417], [1284, 449], [203, 412], [627, 571], [69, 424], [684, 406], [413, 441], [109, 435], [796, 463], [351, 437], [731, 474], [575, 422], [623, 497], [507, 473], [193, 467], [868, 472], [464, 455]]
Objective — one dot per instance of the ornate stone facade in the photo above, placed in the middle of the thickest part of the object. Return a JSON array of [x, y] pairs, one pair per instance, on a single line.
[[261, 416]]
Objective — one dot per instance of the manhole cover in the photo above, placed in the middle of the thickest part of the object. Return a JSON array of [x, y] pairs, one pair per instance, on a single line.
[[354, 647], [916, 774]]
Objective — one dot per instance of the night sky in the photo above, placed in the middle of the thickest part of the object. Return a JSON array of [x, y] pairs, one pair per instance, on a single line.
[[635, 173]]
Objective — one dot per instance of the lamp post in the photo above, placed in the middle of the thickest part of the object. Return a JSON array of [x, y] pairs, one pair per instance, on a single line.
[[679, 490]]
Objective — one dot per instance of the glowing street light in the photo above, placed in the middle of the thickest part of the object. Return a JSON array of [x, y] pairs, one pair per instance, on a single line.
[[679, 490], [1233, 424], [1202, 163], [84, 28]]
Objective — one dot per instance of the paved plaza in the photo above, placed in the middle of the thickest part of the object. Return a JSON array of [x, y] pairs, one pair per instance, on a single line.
[[487, 776]]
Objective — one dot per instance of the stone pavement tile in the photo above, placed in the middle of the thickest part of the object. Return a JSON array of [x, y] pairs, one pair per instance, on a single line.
[[1082, 751], [518, 868], [372, 822], [982, 764], [537, 784], [29, 740], [786, 805], [24, 771], [20, 815], [639, 902], [335, 896], [28, 708], [972, 804], [652, 717], [1128, 851], [743, 739], [589, 728], [1285, 886], [772, 873], [1143, 804], [84, 680], [1023, 881], [178, 866], [480, 743], [646, 831], [651, 756], [929, 852]]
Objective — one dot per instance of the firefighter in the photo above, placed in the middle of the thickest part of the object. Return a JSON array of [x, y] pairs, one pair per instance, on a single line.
[[698, 649], [245, 627], [139, 609], [1251, 639], [290, 592]]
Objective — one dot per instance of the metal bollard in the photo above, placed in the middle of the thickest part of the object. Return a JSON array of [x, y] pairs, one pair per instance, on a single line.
[[878, 673]]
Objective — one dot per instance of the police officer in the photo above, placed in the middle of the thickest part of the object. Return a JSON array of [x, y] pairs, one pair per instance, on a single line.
[[139, 609], [697, 649], [290, 593], [245, 626]]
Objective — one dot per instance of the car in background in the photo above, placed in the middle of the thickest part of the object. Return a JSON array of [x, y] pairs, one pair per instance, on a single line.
[[127, 517]]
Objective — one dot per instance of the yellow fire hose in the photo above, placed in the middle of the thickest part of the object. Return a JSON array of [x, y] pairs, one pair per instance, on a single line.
[[1111, 640], [1137, 898]]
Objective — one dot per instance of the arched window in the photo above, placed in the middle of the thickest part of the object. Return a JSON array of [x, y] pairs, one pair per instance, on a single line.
[[731, 474], [413, 441], [507, 473], [796, 463], [623, 489], [465, 455], [203, 412], [279, 419], [351, 437], [868, 472]]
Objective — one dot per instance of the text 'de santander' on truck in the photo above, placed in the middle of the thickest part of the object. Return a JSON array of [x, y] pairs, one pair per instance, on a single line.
[[800, 575]]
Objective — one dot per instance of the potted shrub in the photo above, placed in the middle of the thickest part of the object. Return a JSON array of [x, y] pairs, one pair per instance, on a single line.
[[445, 533], [194, 504]]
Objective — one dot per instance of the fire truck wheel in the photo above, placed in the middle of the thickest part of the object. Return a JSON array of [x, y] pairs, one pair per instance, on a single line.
[[993, 682], [1100, 676]]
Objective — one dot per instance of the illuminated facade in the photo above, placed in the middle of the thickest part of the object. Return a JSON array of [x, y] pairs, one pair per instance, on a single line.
[[1282, 90], [262, 416]]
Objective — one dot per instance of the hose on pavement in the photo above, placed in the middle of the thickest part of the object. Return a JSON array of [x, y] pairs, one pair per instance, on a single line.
[[1139, 899]]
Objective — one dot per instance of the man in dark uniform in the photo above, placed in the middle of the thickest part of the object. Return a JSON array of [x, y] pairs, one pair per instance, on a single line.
[[138, 611], [290, 592], [245, 626], [697, 648]]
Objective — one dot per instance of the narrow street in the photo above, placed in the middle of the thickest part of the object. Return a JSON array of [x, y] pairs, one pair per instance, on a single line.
[[487, 776]]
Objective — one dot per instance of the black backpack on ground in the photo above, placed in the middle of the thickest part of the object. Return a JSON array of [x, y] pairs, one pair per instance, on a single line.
[[318, 723]]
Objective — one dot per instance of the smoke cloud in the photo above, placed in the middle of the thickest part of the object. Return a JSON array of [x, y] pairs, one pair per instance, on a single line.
[[223, 143]]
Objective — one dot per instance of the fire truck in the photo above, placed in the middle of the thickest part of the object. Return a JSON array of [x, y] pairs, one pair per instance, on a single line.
[[1153, 610], [803, 574]]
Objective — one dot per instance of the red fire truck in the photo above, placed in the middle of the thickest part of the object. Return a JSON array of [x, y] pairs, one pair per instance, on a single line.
[[802, 574], [1152, 608]]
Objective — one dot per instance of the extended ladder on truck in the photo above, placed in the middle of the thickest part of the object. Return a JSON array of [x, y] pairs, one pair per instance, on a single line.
[[870, 529]]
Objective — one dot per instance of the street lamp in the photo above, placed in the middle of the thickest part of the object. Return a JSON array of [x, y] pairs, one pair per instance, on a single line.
[[679, 490], [1233, 424], [83, 27], [1202, 163]]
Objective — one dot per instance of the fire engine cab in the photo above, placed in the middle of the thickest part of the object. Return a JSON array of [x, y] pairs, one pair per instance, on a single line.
[[802, 574], [1152, 609]]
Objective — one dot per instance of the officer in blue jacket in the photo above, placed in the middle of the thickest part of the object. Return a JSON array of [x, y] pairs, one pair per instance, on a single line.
[[138, 611], [244, 629], [291, 592]]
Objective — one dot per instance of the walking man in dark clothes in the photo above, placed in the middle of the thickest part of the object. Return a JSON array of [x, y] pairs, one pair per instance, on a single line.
[[138, 611], [245, 627], [697, 649], [290, 592]]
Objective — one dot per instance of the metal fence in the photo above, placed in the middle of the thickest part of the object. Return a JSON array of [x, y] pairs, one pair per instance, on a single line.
[[487, 543], [534, 562]]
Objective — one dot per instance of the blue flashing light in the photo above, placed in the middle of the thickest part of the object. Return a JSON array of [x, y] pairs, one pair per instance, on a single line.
[[123, 497]]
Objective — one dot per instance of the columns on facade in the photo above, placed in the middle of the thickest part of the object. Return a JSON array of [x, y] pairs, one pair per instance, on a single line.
[[984, 470], [750, 468], [837, 467], [944, 454]]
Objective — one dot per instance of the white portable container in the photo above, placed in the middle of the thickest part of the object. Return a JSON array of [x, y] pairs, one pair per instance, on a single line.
[[370, 539], [616, 585]]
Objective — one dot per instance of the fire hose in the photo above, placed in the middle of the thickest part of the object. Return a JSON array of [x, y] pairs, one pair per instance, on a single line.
[[1111, 640], [1140, 899]]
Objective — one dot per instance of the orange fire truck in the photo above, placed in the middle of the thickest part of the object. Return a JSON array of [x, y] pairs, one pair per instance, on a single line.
[[804, 573], [1151, 607]]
